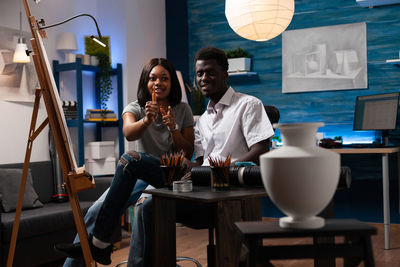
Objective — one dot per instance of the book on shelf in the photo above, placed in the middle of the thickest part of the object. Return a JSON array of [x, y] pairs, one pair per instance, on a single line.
[[100, 115], [100, 119], [95, 111]]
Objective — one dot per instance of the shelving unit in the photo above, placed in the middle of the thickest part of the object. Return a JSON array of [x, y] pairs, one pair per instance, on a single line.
[[79, 68]]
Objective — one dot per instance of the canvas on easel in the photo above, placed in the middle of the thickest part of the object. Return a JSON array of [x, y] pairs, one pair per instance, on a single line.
[[75, 179]]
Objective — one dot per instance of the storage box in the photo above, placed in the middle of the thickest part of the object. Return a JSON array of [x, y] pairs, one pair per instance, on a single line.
[[101, 166], [100, 150], [239, 64]]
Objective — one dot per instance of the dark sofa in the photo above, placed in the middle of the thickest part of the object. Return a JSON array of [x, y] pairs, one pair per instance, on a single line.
[[41, 228]]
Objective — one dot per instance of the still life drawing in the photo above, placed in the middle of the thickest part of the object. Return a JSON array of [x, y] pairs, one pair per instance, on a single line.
[[17, 80], [324, 58]]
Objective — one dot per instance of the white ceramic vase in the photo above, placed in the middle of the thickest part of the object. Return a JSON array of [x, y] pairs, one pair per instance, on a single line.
[[300, 177]]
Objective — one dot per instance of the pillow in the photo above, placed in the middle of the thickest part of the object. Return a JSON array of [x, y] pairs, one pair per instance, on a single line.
[[10, 181]]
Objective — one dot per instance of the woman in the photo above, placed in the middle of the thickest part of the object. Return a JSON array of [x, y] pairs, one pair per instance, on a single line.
[[158, 127], [143, 119]]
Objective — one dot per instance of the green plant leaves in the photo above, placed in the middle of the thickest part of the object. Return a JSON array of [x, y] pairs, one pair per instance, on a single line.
[[238, 52], [103, 81]]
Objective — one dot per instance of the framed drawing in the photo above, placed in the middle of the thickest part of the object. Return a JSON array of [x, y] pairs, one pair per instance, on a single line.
[[18, 81], [325, 58]]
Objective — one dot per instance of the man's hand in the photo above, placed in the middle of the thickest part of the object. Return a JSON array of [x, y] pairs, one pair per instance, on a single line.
[[187, 165], [186, 177]]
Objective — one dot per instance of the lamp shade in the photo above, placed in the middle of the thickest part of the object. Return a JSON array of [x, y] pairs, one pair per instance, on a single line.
[[259, 20], [66, 41], [20, 54]]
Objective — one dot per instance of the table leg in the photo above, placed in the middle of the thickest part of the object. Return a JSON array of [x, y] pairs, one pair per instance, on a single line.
[[164, 229], [228, 241], [368, 251], [386, 203], [398, 176], [252, 209]]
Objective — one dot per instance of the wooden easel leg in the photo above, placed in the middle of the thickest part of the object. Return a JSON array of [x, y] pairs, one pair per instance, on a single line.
[[21, 193], [80, 224]]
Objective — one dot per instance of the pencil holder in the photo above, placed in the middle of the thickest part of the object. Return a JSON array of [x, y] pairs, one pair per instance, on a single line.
[[172, 173], [219, 178]]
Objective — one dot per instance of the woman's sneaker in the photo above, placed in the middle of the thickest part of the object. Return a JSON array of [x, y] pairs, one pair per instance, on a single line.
[[74, 250]]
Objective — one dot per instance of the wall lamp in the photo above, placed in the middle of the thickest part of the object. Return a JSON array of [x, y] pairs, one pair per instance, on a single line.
[[42, 26]]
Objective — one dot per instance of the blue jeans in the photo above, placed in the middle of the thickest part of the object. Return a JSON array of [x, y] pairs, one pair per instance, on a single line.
[[131, 166], [124, 191], [140, 246]]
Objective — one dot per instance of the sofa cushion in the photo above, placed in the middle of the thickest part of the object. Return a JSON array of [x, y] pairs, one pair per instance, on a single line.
[[10, 181], [42, 176], [52, 217]]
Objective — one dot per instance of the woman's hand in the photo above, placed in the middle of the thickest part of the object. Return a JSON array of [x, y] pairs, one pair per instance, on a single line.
[[151, 112], [168, 118]]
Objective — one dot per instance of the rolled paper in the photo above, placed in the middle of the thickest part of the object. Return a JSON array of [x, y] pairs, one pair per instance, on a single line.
[[153, 96]]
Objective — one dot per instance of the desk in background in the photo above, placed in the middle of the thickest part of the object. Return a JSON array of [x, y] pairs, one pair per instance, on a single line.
[[384, 151], [229, 206]]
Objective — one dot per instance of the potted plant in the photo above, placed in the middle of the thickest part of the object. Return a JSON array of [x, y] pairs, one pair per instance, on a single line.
[[103, 79], [196, 99], [239, 60]]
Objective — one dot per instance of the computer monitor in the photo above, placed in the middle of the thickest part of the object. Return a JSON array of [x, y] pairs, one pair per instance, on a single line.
[[376, 112]]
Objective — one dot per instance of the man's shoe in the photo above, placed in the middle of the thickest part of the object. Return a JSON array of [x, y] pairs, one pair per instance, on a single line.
[[100, 255]]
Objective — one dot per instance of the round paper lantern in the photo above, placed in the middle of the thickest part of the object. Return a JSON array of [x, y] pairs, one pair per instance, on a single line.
[[259, 20]]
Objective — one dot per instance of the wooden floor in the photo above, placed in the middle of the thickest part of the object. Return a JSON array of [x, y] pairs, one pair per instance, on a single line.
[[192, 243]]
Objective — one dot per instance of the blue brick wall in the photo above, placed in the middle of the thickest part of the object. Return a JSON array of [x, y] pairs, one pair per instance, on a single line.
[[207, 25], [204, 24]]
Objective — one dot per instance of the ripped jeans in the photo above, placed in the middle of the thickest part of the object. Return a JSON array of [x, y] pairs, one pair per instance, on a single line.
[[131, 166]]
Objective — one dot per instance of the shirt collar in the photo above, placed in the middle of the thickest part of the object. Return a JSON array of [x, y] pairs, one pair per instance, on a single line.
[[225, 100]]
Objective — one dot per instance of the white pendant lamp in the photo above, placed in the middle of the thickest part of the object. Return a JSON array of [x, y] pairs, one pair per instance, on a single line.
[[259, 20], [20, 55]]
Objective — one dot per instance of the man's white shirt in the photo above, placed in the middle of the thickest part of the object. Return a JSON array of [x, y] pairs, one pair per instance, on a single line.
[[231, 127]]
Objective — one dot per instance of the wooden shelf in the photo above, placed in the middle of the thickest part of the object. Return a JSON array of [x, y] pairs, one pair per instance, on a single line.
[[242, 73], [395, 61], [244, 77]]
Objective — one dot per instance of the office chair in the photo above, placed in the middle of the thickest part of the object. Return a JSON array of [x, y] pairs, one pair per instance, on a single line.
[[177, 260], [273, 114]]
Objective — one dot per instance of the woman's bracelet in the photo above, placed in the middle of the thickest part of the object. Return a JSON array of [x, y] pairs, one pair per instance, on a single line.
[[147, 125]]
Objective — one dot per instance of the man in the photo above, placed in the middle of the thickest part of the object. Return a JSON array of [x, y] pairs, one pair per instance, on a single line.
[[234, 124]]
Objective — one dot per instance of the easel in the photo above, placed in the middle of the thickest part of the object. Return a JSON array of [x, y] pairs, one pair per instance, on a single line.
[[76, 179]]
